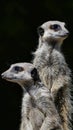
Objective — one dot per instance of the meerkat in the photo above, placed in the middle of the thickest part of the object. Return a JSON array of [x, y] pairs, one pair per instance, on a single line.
[[53, 69], [38, 109]]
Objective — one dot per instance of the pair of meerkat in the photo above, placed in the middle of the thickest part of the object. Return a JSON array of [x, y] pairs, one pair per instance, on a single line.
[[53, 69], [38, 108], [46, 104]]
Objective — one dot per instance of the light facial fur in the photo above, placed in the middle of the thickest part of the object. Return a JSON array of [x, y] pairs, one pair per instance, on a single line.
[[53, 69], [38, 109]]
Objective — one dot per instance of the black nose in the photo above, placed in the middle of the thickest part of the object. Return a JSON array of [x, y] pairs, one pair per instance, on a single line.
[[2, 75], [67, 33]]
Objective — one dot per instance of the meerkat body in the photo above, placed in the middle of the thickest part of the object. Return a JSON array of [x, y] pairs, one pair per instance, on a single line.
[[53, 69], [38, 109]]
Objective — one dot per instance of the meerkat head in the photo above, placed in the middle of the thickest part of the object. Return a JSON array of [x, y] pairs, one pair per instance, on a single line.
[[52, 31], [21, 73]]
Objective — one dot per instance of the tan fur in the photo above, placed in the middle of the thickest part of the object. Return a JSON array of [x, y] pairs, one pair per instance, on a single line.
[[53, 69], [38, 108]]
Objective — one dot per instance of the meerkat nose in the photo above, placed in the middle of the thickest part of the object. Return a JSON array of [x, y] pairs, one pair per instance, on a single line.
[[67, 33], [3, 75]]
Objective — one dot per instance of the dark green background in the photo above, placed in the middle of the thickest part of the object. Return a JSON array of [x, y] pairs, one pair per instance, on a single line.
[[18, 38]]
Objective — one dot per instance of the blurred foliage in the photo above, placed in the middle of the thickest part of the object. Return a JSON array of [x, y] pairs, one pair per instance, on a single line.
[[18, 38]]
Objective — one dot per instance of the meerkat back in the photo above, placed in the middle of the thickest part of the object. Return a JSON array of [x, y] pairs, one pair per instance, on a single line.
[[53, 69]]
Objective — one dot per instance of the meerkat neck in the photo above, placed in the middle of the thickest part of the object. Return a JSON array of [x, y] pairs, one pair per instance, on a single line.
[[29, 86], [51, 43]]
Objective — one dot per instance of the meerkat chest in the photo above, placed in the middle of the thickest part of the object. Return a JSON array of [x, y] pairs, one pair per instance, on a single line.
[[30, 111], [55, 64], [36, 117], [51, 60]]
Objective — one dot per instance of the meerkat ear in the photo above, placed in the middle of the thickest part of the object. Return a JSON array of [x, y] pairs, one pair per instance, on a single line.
[[40, 31], [34, 74]]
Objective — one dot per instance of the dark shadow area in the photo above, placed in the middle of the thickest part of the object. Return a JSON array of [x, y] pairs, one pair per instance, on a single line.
[[18, 39]]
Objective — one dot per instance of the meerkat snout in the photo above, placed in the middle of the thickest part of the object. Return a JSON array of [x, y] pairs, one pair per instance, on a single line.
[[53, 30]]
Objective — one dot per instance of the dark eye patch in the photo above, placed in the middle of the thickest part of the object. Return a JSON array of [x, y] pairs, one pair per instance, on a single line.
[[55, 27], [18, 69], [34, 74], [40, 31]]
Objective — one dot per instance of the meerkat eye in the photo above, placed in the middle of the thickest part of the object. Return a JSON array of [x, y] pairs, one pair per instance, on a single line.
[[34, 74], [55, 27], [18, 69], [40, 31]]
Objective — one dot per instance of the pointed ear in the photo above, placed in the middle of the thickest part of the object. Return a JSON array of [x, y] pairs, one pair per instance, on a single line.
[[34, 74], [40, 31]]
